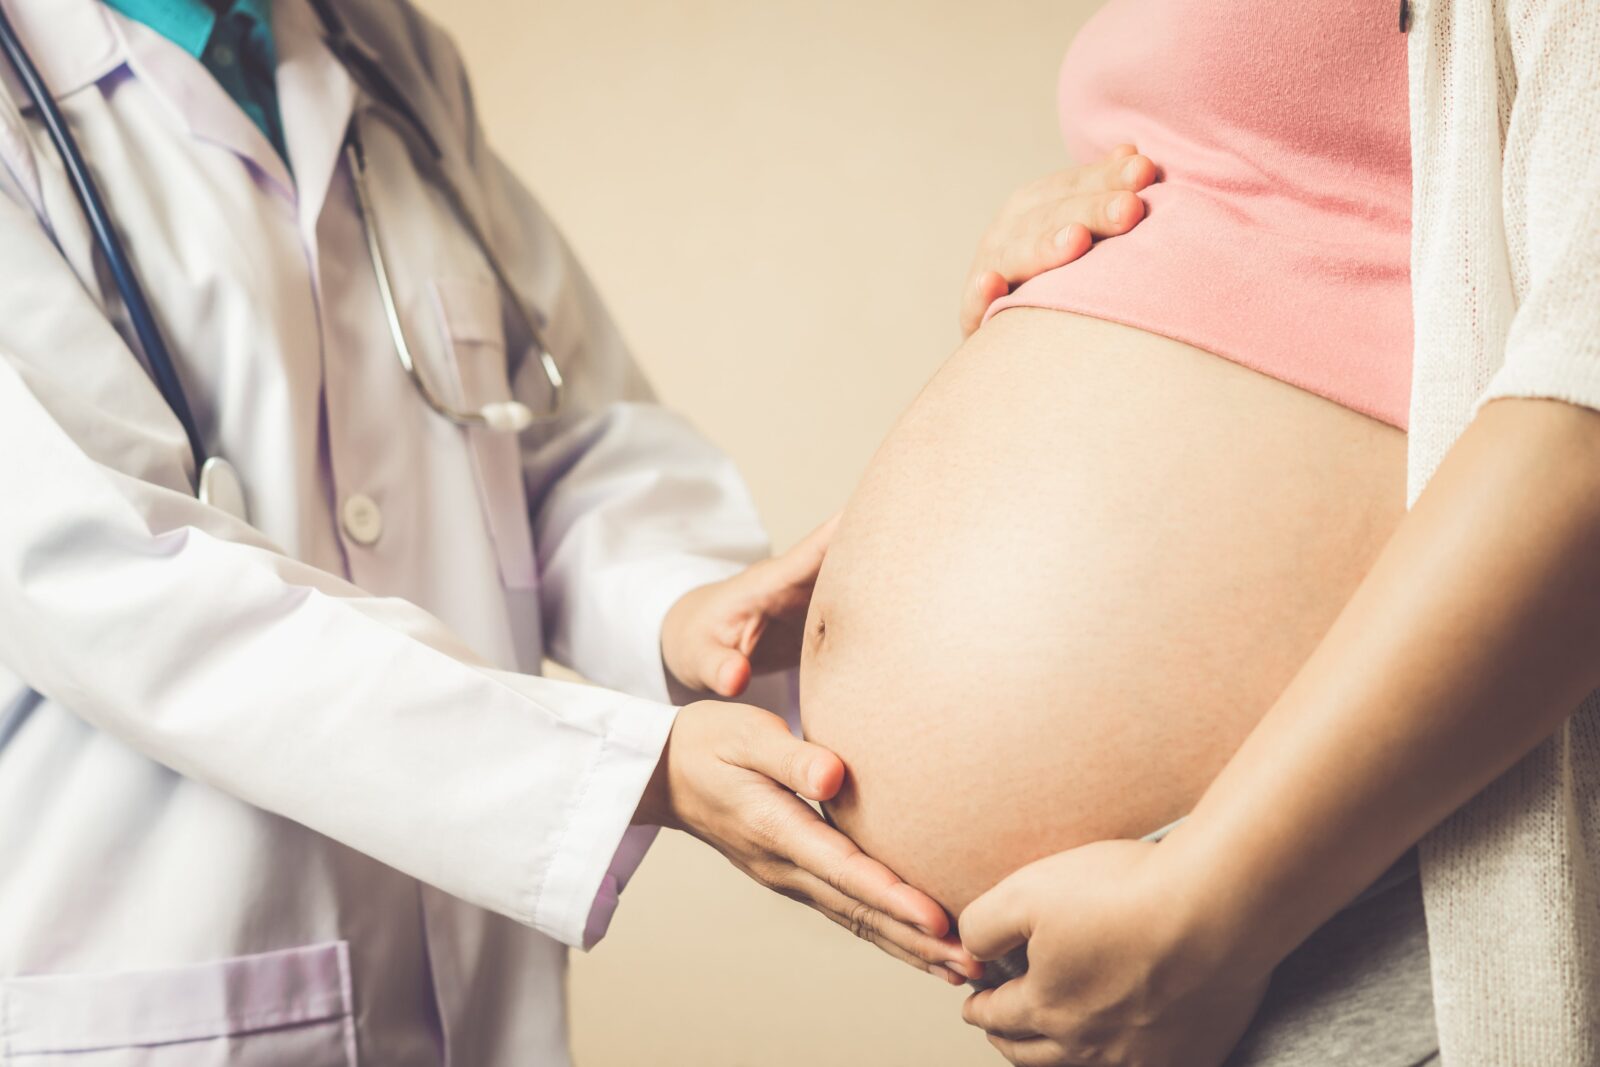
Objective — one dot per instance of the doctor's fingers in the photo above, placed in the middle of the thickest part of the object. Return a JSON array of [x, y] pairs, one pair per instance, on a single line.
[[837, 862], [863, 929], [900, 940], [779, 585], [791, 831], [765, 745], [799, 565]]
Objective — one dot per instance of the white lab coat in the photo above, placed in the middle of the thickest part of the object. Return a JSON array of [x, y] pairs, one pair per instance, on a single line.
[[295, 794]]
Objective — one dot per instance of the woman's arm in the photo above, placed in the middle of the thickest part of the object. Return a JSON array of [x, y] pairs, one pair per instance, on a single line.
[[1474, 636]]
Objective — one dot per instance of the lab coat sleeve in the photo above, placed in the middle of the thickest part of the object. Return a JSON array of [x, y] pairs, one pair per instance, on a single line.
[[631, 508], [186, 635]]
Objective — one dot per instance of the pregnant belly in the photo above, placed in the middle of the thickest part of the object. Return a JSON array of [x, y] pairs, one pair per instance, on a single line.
[[1075, 575]]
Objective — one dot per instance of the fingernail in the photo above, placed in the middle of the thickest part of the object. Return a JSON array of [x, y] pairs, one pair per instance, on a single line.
[[1064, 239], [960, 969], [1118, 210], [1130, 170]]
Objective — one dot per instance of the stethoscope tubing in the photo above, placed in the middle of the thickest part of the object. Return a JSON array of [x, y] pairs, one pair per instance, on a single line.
[[158, 358], [213, 475], [505, 416], [502, 416]]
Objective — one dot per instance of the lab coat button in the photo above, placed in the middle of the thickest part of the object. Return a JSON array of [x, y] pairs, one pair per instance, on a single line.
[[363, 521]]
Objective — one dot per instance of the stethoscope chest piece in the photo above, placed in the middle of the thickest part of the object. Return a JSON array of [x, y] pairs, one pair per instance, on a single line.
[[220, 488]]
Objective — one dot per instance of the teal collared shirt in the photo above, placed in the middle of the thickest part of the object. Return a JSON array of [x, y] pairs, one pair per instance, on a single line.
[[233, 40]]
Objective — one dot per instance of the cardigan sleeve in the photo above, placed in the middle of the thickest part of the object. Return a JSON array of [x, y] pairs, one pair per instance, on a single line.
[[1551, 196]]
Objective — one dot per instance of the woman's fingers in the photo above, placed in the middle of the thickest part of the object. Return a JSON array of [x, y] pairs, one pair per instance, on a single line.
[[1041, 243], [1097, 214], [1005, 1014], [999, 920], [1033, 1052], [1059, 232], [1124, 170], [1105, 214], [1004, 1011], [1052, 222], [986, 287], [1062, 239], [1130, 172]]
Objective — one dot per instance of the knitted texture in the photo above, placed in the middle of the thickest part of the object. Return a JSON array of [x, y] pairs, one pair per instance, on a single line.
[[1505, 105], [1278, 237]]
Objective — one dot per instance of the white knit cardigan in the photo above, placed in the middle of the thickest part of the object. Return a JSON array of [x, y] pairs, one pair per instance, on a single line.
[[1505, 271]]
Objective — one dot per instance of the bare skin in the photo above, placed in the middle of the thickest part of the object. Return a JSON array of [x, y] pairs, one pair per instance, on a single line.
[[1473, 638], [731, 773], [1079, 570]]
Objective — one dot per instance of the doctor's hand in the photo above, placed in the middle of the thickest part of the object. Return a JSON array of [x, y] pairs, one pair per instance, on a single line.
[[716, 637], [1053, 221], [729, 775], [1124, 968]]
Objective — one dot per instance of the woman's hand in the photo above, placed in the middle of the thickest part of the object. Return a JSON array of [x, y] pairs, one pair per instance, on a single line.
[[729, 775], [1054, 221], [717, 636], [1122, 971]]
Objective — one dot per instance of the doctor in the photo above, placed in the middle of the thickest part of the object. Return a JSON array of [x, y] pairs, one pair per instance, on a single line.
[[294, 793]]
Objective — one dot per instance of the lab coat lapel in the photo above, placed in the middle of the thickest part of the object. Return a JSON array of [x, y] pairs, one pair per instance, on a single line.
[[70, 41], [317, 97], [73, 45], [199, 101]]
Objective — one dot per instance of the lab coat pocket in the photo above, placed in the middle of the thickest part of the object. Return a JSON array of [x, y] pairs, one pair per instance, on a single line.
[[291, 1006], [474, 335]]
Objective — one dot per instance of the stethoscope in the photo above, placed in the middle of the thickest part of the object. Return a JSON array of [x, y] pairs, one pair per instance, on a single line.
[[218, 483]]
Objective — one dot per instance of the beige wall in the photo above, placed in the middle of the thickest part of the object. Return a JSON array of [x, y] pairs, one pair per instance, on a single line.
[[779, 199]]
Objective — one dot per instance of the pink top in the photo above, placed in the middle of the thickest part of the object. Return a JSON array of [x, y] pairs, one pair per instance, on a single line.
[[1279, 237]]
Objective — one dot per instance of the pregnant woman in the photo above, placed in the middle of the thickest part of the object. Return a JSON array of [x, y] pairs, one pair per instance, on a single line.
[[1140, 549]]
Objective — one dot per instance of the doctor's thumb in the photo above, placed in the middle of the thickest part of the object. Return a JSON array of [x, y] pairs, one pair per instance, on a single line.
[[726, 671], [810, 770]]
